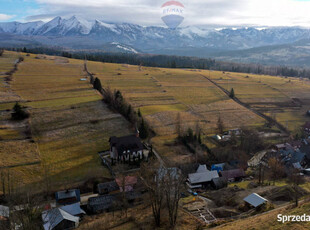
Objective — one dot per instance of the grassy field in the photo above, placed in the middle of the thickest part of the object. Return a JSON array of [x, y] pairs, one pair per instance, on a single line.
[[163, 93], [69, 123], [285, 99]]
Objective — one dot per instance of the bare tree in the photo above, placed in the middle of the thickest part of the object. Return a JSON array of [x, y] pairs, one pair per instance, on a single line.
[[47, 178], [173, 181], [121, 174], [276, 169], [295, 179], [8, 182], [26, 209], [151, 174]]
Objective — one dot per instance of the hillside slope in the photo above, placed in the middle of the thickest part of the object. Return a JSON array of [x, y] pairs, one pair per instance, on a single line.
[[68, 121]]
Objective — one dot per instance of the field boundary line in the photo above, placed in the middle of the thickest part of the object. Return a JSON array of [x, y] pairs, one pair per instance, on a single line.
[[265, 117]]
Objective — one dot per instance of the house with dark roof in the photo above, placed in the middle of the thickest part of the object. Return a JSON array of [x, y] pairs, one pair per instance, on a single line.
[[107, 203], [68, 197], [201, 180], [233, 175], [290, 157], [108, 187], [101, 203], [127, 148], [219, 182]]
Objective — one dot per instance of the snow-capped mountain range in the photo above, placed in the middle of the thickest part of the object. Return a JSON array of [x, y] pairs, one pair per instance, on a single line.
[[77, 33]]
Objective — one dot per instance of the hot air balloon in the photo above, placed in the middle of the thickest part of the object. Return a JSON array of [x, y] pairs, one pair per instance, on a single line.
[[172, 14]]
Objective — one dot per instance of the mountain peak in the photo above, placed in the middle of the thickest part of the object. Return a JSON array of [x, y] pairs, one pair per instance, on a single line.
[[56, 19]]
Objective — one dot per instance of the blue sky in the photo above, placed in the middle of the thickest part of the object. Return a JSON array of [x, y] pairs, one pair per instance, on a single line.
[[18, 9], [148, 12]]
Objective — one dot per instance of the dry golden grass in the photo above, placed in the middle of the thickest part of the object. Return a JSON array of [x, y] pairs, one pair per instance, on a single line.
[[269, 220], [139, 217], [288, 99], [18, 152], [69, 122], [160, 93]]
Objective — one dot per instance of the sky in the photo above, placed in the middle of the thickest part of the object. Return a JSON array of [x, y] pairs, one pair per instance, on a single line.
[[148, 12]]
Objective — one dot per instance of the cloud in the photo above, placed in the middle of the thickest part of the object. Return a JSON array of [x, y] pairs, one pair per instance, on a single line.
[[4, 17], [197, 12]]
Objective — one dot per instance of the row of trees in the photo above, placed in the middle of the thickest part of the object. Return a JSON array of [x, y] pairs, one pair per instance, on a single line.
[[174, 62], [117, 102]]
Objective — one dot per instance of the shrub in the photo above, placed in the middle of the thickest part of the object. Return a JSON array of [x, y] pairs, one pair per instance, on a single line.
[[232, 93], [97, 84], [144, 132], [19, 113]]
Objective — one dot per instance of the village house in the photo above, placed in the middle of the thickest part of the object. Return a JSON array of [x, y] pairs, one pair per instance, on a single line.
[[233, 175], [219, 182], [110, 202], [291, 157], [127, 149], [68, 197], [201, 179], [59, 219], [101, 203], [108, 187]]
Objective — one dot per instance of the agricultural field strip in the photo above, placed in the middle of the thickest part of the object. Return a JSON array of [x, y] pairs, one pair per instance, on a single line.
[[69, 148], [169, 84], [288, 113], [245, 105]]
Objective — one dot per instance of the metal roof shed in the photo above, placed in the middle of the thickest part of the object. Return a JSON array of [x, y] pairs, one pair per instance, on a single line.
[[73, 209], [255, 200], [196, 178]]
